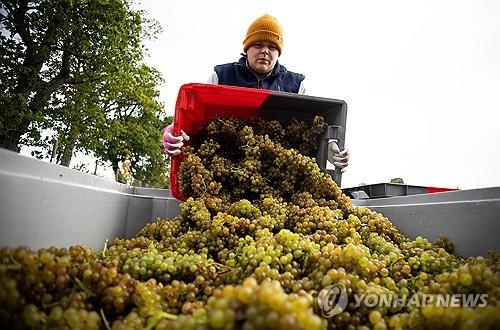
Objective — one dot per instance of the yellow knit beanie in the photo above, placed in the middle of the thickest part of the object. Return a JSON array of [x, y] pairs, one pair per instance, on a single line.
[[264, 28]]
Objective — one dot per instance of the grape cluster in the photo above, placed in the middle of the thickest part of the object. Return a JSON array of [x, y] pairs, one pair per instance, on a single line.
[[262, 233], [238, 160]]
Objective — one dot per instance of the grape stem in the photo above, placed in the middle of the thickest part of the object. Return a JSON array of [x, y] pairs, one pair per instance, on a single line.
[[84, 288], [47, 306], [153, 320], [14, 265], [223, 268], [106, 323], [105, 248]]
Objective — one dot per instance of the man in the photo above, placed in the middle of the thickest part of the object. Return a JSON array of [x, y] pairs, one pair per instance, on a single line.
[[258, 68]]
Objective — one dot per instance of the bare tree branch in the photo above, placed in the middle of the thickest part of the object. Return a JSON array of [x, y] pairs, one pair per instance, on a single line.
[[132, 108], [18, 18]]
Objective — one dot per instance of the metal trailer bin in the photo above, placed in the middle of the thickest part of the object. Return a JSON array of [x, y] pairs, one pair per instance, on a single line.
[[469, 218], [43, 204]]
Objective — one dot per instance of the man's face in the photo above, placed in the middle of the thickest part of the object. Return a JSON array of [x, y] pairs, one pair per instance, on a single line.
[[262, 56]]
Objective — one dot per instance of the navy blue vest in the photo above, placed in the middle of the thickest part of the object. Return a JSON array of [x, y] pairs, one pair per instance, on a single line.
[[239, 74]]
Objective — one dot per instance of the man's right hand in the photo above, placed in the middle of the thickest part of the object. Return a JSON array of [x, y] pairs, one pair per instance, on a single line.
[[172, 144]]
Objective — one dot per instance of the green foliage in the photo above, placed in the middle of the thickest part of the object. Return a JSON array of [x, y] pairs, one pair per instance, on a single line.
[[397, 180], [74, 70]]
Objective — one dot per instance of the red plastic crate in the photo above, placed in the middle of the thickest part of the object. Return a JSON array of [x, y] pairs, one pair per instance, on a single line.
[[383, 190], [431, 190], [198, 103]]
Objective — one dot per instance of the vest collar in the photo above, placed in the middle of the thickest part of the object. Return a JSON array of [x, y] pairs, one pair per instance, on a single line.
[[277, 70]]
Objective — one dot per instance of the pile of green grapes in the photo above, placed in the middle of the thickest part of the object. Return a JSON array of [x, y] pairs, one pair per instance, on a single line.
[[263, 233]]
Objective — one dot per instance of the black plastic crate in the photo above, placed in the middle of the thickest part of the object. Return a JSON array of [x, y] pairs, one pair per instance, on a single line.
[[285, 106], [382, 190]]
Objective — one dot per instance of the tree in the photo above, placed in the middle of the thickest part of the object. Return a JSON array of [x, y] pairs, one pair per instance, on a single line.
[[51, 44], [132, 126], [111, 120], [397, 180], [80, 78]]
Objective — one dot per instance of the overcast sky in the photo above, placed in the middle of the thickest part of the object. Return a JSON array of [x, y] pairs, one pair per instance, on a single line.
[[421, 78]]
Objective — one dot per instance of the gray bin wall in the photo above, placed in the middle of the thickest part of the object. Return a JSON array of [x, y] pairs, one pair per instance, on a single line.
[[44, 205], [469, 218]]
